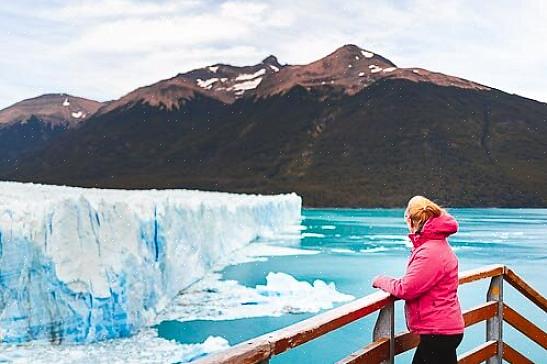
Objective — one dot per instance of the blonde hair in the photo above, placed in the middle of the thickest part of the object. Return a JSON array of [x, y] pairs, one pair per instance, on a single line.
[[421, 209]]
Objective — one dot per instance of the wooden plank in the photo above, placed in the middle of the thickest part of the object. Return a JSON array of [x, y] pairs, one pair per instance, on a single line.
[[523, 325], [513, 356], [307, 330], [262, 348], [480, 353], [528, 291], [405, 341], [494, 325], [301, 332], [375, 352], [487, 271], [385, 328], [480, 313], [250, 352]]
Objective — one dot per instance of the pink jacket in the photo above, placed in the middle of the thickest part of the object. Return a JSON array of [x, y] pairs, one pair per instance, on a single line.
[[430, 284]]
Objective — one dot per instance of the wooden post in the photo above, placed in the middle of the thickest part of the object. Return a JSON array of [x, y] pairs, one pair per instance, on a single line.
[[494, 326], [385, 328]]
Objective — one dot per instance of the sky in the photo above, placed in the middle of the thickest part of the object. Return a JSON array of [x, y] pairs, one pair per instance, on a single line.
[[103, 49]]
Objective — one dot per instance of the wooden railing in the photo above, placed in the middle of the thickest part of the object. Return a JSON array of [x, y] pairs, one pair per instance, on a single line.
[[386, 343]]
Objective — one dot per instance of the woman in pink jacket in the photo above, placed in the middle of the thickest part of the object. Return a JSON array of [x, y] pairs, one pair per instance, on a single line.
[[429, 286]]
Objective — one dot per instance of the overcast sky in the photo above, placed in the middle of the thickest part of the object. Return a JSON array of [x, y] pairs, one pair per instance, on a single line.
[[102, 49]]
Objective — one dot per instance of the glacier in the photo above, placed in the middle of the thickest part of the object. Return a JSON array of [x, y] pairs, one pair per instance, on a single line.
[[82, 265]]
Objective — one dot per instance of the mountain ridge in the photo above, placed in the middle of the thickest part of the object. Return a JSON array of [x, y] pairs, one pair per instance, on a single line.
[[370, 140]]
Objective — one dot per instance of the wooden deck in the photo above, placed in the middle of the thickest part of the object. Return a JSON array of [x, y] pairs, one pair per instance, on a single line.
[[386, 344]]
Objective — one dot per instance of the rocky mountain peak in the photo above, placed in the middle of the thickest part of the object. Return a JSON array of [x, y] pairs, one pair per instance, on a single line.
[[55, 109], [271, 60]]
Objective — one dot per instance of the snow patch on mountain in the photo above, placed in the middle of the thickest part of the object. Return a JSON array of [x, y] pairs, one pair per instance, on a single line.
[[250, 76], [247, 85], [374, 68], [207, 84]]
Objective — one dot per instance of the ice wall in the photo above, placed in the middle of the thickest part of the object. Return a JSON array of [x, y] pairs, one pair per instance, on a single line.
[[82, 265]]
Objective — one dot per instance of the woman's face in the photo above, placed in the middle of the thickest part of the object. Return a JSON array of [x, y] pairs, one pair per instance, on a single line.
[[408, 221]]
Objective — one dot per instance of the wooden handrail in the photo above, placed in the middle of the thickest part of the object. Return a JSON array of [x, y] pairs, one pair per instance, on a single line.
[[480, 313], [523, 325], [406, 341], [261, 349], [520, 285], [304, 331], [487, 271], [480, 353], [513, 356], [375, 352]]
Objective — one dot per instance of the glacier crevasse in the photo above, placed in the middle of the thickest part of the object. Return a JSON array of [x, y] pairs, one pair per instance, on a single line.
[[82, 265]]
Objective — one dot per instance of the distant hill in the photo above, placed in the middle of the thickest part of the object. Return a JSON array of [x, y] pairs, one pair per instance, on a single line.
[[28, 125], [351, 129]]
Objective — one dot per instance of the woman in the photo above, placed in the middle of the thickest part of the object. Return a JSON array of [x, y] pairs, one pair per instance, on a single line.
[[429, 286]]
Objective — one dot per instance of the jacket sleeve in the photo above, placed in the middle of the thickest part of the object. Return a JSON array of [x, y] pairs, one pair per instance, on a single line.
[[422, 274]]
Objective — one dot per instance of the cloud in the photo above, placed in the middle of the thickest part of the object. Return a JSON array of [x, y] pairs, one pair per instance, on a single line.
[[98, 9], [102, 49]]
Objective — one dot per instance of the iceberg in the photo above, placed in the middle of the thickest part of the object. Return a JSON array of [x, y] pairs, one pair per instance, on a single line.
[[214, 298], [81, 265], [143, 348]]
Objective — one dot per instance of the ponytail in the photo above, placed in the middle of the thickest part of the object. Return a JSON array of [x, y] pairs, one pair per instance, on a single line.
[[421, 209]]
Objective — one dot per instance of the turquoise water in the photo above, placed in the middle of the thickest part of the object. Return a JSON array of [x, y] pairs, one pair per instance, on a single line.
[[357, 244]]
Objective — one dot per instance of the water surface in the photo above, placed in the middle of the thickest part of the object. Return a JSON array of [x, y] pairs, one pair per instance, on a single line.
[[356, 244]]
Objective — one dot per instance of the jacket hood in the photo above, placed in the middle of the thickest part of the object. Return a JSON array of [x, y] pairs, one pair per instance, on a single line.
[[436, 228]]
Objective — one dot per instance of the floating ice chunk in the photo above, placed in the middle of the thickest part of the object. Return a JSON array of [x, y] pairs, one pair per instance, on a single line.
[[66, 102], [213, 69], [207, 84], [313, 235], [390, 69], [145, 347], [211, 345], [367, 54], [250, 76], [77, 115], [216, 299], [376, 249], [106, 261], [342, 251], [328, 227], [265, 250]]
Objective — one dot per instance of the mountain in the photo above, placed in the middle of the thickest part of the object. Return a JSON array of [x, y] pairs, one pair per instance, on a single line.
[[29, 124], [351, 129], [220, 82]]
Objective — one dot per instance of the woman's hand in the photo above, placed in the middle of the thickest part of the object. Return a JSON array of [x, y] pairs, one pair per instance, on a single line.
[[375, 282]]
